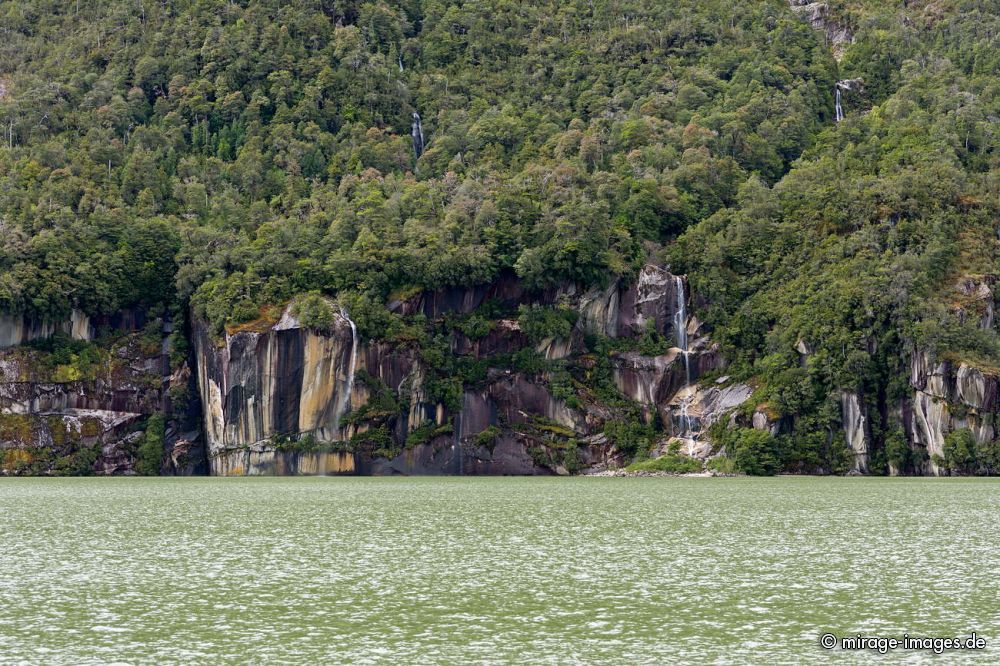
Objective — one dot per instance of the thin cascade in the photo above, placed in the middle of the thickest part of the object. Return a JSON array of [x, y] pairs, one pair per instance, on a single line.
[[685, 422], [343, 400], [417, 132], [836, 105], [680, 328], [680, 315]]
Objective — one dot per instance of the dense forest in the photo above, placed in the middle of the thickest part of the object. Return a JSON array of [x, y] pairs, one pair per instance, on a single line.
[[219, 159]]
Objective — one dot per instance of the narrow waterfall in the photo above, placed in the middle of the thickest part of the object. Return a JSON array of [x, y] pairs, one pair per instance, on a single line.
[[842, 86], [417, 132], [344, 399], [680, 316], [680, 328]]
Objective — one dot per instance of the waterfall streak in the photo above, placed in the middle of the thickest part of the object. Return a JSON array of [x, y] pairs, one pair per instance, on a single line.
[[417, 132], [343, 400], [680, 329]]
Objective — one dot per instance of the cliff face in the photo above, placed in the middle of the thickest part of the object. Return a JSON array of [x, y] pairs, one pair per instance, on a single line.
[[947, 396], [818, 15], [282, 381], [19, 330], [285, 399], [942, 396], [280, 398], [85, 411]]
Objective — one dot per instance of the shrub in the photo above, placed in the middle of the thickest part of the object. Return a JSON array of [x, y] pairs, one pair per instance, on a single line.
[[488, 437], [751, 451], [652, 343], [539, 322], [754, 452], [378, 440], [539, 456], [722, 465], [960, 451], [528, 361], [630, 437], [571, 459], [988, 456], [78, 463], [421, 435], [897, 451], [561, 386], [475, 326], [313, 311], [149, 456], [673, 463]]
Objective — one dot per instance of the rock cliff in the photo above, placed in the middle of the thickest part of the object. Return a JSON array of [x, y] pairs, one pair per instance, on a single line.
[[818, 15], [19, 330], [84, 408], [278, 397], [281, 398], [947, 396]]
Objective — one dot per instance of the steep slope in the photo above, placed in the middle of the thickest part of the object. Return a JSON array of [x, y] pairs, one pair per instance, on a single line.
[[868, 270], [402, 237]]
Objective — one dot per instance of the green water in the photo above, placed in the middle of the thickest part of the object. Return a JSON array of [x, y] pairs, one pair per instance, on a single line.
[[497, 570]]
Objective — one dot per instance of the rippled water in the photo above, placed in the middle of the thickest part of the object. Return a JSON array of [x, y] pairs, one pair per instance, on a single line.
[[497, 570]]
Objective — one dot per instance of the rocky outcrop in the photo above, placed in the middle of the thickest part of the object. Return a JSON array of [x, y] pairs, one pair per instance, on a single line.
[[621, 309], [284, 380], [947, 396], [262, 460], [599, 309], [274, 391], [930, 420], [653, 381], [66, 414], [261, 389], [976, 389], [627, 309], [506, 290], [669, 384], [70, 441], [131, 382], [818, 15], [16, 329], [855, 424], [277, 397], [976, 300], [695, 408]]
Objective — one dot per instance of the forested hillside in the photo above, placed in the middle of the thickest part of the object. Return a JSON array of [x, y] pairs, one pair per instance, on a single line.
[[260, 149], [215, 160]]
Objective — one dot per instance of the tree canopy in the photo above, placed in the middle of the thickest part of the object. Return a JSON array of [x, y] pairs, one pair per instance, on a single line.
[[233, 155]]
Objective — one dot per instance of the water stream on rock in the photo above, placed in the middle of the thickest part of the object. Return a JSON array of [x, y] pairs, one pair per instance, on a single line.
[[680, 327], [836, 105], [417, 132], [343, 400]]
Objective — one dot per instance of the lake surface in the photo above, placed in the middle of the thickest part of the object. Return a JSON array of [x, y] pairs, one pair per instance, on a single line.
[[492, 570]]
